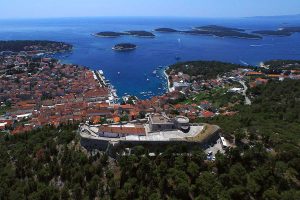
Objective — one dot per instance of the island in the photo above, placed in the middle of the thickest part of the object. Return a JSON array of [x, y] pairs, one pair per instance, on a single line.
[[166, 30], [34, 46], [273, 33], [109, 34], [124, 47], [286, 31], [113, 34], [295, 29], [216, 28], [221, 31], [140, 33]]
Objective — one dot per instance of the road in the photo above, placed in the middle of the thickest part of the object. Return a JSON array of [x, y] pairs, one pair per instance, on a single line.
[[247, 100]]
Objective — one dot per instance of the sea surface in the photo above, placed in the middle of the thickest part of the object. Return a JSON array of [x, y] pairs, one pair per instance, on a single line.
[[132, 72]]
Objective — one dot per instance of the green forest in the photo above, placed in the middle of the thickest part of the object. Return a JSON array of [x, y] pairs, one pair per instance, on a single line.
[[203, 69], [50, 164], [21, 45]]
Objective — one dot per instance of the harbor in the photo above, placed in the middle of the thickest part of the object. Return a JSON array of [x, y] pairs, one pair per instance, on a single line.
[[113, 97]]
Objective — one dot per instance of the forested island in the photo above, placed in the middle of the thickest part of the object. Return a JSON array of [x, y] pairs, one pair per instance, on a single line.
[[34, 45], [140, 33], [273, 33], [221, 31], [286, 31], [110, 34], [166, 30], [203, 69], [215, 28], [124, 47], [128, 33]]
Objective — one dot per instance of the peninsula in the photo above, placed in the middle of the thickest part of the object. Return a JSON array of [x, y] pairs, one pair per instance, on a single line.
[[34, 46], [124, 47]]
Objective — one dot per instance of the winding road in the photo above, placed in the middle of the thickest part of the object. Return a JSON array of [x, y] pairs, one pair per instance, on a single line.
[[247, 99]]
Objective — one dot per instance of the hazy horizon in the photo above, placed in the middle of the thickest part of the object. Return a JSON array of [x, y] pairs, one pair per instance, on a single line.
[[36, 9]]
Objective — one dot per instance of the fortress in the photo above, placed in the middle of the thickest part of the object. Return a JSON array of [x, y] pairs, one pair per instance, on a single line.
[[156, 129]]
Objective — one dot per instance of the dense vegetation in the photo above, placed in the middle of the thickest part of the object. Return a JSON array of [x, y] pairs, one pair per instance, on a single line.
[[24, 45], [203, 69], [283, 64], [273, 117]]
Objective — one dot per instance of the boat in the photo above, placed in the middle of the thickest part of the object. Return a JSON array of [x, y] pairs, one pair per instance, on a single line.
[[154, 72], [148, 79]]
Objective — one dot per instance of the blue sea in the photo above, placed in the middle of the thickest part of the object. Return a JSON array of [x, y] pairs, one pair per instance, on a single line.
[[132, 72]]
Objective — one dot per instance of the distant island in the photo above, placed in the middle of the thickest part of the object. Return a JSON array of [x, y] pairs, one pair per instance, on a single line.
[[118, 34], [213, 30], [34, 46], [124, 47], [221, 31], [286, 31], [216, 28], [273, 33], [166, 30], [140, 33], [110, 34]]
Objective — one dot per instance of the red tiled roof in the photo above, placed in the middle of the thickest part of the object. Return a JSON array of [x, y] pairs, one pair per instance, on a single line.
[[123, 130]]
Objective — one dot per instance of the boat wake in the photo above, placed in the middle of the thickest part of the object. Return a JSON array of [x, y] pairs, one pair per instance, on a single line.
[[244, 63], [260, 45]]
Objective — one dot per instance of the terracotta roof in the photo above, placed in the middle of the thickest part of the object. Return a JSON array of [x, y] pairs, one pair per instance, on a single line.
[[123, 130]]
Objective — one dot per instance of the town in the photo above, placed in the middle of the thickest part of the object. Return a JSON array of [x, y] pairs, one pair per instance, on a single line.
[[46, 92]]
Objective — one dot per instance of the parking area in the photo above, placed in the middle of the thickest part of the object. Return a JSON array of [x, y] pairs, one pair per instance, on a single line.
[[213, 149]]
